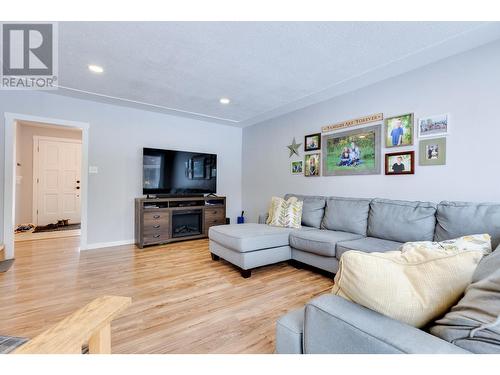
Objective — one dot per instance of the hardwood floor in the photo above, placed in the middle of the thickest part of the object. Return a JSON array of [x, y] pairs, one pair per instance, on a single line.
[[30, 236], [183, 302]]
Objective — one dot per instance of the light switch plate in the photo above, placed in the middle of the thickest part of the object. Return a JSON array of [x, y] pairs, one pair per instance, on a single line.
[[93, 169]]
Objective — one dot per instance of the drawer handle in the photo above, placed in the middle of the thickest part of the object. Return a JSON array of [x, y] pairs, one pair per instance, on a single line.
[[156, 236], [156, 216], [156, 226]]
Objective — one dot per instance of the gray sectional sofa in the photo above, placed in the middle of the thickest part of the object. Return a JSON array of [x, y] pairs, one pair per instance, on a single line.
[[333, 225]]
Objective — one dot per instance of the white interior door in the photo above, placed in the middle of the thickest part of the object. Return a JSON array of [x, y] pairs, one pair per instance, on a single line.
[[57, 180]]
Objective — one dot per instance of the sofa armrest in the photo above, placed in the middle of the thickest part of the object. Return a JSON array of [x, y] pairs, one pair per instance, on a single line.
[[335, 325], [263, 218]]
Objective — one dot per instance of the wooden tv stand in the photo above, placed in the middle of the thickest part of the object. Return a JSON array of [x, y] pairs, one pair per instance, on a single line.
[[165, 220]]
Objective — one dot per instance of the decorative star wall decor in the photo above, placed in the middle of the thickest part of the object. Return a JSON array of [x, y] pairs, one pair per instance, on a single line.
[[294, 148]]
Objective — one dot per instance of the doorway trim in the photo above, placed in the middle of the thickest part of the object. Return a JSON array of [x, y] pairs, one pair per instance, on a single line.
[[36, 170], [11, 120]]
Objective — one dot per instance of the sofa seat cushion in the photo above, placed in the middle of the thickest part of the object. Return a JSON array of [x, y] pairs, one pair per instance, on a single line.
[[249, 237], [402, 221], [367, 245], [319, 241]]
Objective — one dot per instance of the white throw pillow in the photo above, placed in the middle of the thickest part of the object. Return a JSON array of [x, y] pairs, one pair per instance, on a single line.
[[285, 213], [415, 285]]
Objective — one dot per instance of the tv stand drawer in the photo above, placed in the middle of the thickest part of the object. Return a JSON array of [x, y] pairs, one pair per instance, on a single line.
[[155, 238], [156, 217], [155, 228], [214, 213]]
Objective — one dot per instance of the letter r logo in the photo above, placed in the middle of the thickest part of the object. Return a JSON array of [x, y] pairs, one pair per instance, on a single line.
[[27, 49]]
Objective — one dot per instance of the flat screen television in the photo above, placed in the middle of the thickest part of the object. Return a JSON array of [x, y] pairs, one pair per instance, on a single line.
[[174, 173]]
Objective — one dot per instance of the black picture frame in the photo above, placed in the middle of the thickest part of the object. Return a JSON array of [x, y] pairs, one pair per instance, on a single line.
[[317, 144]]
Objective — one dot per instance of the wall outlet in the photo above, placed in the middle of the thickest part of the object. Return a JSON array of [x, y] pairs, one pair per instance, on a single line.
[[93, 169]]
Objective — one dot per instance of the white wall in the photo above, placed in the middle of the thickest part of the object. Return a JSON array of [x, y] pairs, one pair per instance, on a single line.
[[116, 137], [467, 86], [24, 159]]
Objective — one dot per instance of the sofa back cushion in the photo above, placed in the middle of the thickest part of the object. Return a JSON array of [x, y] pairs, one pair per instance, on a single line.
[[474, 322], [455, 219], [346, 214], [401, 221], [313, 209]]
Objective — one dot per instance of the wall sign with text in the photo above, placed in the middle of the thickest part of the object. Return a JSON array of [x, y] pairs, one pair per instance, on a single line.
[[354, 122]]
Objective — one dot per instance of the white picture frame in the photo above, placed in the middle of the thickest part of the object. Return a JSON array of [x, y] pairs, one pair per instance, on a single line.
[[435, 121]]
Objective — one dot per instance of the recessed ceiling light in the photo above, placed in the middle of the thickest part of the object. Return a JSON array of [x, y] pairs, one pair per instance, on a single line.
[[224, 101], [96, 68]]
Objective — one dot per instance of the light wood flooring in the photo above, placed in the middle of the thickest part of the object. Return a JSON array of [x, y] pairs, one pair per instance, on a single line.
[[30, 236], [183, 302]]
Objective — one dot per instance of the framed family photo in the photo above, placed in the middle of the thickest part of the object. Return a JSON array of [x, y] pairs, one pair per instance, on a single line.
[[312, 142], [398, 163], [297, 167], [432, 152], [433, 126], [354, 152], [399, 131], [312, 165]]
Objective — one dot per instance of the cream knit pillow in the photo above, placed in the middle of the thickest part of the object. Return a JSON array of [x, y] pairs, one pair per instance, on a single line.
[[415, 285], [285, 213]]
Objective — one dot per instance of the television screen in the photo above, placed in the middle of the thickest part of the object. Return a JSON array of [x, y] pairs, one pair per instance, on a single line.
[[171, 172]]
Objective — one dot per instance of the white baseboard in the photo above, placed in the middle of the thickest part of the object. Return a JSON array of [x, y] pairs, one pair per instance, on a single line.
[[92, 246]]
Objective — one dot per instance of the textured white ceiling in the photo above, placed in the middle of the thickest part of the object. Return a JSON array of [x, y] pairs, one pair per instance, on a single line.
[[266, 68]]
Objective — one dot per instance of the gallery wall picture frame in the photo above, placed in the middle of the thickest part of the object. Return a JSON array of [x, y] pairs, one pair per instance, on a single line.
[[433, 126], [352, 152], [312, 142], [297, 167], [400, 163], [399, 131], [312, 165], [432, 151]]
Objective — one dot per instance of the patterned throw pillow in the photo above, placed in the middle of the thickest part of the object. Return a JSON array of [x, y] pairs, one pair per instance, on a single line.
[[478, 242], [285, 213]]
